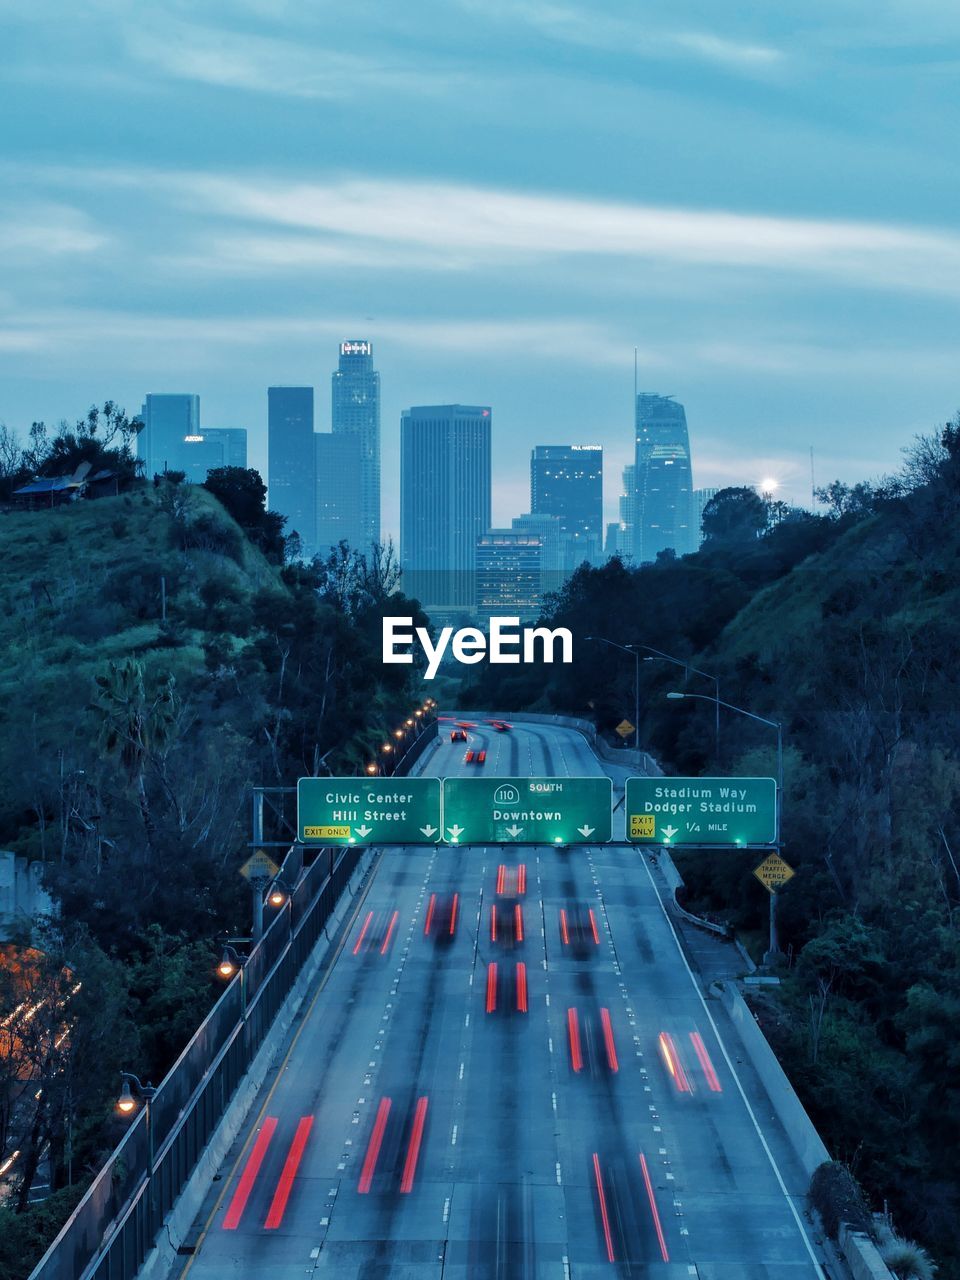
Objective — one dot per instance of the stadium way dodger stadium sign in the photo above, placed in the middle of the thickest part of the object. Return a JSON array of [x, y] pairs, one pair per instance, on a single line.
[[720, 811], [339, 811]]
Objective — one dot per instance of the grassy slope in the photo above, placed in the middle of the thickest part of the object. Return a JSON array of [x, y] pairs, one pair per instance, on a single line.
[[872, 567], [56, 567]]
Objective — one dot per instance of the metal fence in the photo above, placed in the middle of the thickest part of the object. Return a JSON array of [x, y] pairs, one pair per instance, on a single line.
[[114, 1226]]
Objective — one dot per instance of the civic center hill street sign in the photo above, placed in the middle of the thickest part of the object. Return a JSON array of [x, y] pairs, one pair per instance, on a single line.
[[368, 811], [721, 811]]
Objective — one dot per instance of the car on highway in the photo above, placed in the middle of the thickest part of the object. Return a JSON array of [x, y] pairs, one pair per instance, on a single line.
[[501, 726], [458, 735], [475, 757]]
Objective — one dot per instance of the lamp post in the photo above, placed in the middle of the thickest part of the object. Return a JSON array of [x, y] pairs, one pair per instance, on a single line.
[[231, 964], [636, 686], [678, 662], [774, 947], [127, 1105]]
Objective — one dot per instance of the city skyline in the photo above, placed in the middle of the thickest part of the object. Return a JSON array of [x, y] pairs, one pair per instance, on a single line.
[[756, 200]]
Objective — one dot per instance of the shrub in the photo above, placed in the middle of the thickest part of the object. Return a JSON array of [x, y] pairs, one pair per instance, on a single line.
[[838, 1197], [907, 1261]]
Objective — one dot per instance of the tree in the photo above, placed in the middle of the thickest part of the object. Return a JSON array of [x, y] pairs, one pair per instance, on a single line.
[[242, 492], [136, 727], [736, 514]]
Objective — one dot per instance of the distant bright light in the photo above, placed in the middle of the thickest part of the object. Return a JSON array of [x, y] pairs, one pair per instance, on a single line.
[[769, 485]]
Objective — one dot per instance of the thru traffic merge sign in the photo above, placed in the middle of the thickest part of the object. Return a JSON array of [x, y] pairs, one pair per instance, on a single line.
[[259, 866], [338, 811], [773, 873]]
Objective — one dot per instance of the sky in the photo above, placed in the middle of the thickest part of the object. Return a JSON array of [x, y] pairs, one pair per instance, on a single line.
[[507, 199]]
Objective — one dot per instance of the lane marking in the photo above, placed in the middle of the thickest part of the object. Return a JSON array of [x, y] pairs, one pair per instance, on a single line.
[[249, 1176], [278, 1205]]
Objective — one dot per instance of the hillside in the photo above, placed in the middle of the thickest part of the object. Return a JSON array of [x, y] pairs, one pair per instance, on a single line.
[[845, 629], [155, 664]]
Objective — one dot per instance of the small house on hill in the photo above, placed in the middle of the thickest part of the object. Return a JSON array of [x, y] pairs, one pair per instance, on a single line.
[[54, 491]]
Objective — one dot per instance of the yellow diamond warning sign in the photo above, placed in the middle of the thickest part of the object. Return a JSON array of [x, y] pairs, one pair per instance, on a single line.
[[625, 728], [260, 866], [773, 873]]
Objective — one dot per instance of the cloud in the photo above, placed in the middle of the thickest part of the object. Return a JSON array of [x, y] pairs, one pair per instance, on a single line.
[[485, 225], [273, 64], [44, 230], [589, 28]]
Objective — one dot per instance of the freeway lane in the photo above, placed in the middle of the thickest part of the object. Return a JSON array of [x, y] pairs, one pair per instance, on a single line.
[[538, 1092]]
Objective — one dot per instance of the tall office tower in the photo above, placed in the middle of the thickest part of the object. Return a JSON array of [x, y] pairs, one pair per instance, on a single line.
[[210, 448], [338, 492], [547, 529], [233, 443], [356, 411], [290, 460], [628, 503], [662, 479], [566, 480], [700, 499], [444, 501], [509, 574], [611, 541], [169, 423]]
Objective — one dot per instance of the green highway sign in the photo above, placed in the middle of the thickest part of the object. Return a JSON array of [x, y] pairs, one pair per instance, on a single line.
[[721, 811], [368, 810], [526, 810]]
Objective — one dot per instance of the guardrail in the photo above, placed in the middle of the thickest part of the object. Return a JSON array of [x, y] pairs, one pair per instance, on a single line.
[[113, 1227]]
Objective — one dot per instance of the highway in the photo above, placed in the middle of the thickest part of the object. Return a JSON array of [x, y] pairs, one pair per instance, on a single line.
[[508, 1071]]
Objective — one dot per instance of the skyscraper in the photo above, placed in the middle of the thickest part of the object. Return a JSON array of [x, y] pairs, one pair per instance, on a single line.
[[210, 448], [169, 423], [663, 479], [566, 480], [700, 499], [444, 500], [338, 476], [290, 460], [628, 505], [233, 441], [509, 578], [356, 411], [547, 529]]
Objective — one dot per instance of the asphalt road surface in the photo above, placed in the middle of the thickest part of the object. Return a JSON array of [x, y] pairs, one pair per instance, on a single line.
[[508, 1072]]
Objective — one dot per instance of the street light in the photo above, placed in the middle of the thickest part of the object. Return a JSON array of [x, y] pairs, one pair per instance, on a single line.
[[774, 949], [231, 964], [636, 687], [126, 1105], [279, 893], [678, 662]]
